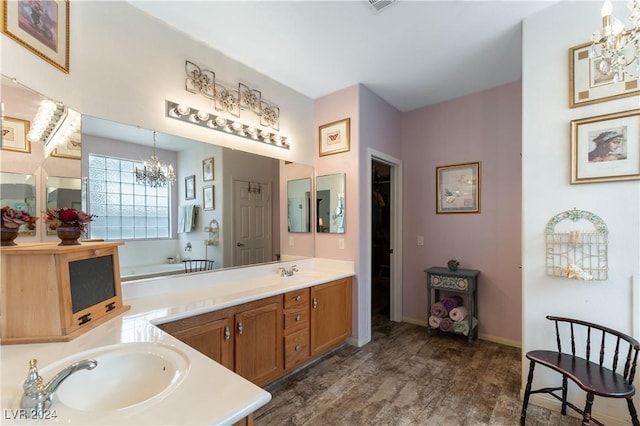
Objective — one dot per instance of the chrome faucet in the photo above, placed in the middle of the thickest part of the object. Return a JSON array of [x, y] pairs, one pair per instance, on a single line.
[[37, 397], [284, 272]]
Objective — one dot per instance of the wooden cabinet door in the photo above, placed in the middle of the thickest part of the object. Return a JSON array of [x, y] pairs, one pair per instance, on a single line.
[[258, 343], [213, 339], [330, 315]]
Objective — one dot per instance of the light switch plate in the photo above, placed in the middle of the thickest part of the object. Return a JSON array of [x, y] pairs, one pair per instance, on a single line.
[[420, 240], [341, 243]]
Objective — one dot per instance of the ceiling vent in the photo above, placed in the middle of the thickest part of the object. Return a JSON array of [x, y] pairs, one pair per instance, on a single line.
[[378, 5]]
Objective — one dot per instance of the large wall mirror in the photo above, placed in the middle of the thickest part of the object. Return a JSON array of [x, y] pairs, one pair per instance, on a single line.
[[331, 203], [238, 178], [299, 205]]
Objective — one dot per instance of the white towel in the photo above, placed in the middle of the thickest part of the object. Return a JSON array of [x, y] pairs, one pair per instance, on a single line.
[[463, 326], [187, 218], [434, 322], [459, 313]]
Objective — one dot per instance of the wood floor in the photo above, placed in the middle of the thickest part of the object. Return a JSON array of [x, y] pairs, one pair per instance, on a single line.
[[403, 377]]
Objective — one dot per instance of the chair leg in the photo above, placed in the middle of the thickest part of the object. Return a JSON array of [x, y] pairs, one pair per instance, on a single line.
[[586, 419], [564, 395], [632, 411], [527, 393]]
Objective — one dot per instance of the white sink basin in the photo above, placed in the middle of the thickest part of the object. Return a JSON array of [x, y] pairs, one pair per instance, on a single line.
[[127, 375]]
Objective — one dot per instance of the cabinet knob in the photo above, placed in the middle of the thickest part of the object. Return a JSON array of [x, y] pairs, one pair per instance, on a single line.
[[298, 317], [298, 348], [298, 297]]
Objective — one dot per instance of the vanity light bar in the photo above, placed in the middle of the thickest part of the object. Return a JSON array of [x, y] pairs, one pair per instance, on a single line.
[[215, 122]]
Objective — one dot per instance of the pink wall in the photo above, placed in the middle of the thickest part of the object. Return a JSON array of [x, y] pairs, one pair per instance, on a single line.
[[483, 127]]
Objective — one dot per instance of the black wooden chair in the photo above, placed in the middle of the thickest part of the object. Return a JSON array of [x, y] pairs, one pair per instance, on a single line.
[[610, 375], [197, 265]]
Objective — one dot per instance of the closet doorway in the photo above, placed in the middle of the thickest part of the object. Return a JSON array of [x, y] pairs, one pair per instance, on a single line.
[[384, 245]]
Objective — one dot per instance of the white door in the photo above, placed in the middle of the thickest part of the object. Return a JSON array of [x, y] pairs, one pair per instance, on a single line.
[[252, 223]]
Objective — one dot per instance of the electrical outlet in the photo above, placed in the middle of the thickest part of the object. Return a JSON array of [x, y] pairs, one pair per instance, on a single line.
[[290, 240], [420, 240], [341, 243]]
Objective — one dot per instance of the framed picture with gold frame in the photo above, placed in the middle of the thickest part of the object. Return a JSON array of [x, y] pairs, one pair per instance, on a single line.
[[588, 85], [334, 137], [208, 196], [605, 148], [41, 27], [72, 149], [458, 188], [207, 169], [14, 135]]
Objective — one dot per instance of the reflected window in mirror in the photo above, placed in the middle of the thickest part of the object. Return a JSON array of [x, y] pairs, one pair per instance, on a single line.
[[331, 203], [124, 208], [299, 205], [18, 191]]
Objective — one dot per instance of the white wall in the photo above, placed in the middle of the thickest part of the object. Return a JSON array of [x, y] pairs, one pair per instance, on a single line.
[[547, 38]]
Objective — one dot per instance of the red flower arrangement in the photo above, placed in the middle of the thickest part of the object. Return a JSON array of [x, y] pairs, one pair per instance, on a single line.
[[12, 218], [56, 217]]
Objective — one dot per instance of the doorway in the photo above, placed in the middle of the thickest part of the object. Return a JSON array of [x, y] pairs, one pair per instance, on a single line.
[[252, 223], [381, 249], [383, 261]]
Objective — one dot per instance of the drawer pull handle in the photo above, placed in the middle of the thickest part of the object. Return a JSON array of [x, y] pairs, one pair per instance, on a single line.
[[315, 302], [298, 348], [298, 298], [298, 317]]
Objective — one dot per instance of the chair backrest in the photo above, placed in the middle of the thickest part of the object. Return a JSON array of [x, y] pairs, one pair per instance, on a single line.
[[198, 265], [613, 344]]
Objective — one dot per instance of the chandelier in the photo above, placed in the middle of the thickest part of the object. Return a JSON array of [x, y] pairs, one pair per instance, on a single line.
[[619, 50], [153, 172]]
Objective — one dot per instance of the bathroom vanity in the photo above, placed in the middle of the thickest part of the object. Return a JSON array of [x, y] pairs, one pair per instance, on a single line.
[[271, 323]]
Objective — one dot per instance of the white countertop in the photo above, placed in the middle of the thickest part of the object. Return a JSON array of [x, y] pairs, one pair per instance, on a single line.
[[209, 393]]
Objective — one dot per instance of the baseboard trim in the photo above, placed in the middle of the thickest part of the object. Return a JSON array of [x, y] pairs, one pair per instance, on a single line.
[[553, 404], [488, 337], [353, 341]]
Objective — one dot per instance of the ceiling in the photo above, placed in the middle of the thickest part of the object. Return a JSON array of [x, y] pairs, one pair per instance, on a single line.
[[412, 53]]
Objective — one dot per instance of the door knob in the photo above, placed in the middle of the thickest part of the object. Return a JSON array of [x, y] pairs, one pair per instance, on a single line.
[[239, 245]]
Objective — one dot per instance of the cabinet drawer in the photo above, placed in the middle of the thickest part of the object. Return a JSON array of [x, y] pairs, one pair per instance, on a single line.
[[296, 299], [296, 319], [296, 348], [451, 283]]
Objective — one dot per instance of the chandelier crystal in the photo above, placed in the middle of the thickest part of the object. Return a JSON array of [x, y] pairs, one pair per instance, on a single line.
[[618, 50], [155, 173]]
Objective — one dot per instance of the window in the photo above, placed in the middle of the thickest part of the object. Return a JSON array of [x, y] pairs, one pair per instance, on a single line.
[[125, 210]]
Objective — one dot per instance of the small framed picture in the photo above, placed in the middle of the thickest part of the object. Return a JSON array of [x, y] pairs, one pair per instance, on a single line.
[[334, 137], [208, 194], [14, 135], [458, 188], [72, 149], [207, 169], [190, 187], [42, 27], [589, 85], [605, 148]]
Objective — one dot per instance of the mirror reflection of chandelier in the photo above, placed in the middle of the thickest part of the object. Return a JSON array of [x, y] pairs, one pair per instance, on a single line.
[[155, 173], [617, 49]]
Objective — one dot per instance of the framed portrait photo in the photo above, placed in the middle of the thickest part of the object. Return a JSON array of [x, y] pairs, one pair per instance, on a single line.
[[207, 169], [190, 187], [334, 137], [14, 135], [42, 27], [208, 197], [606, 148], [588, 85], [458, 188]]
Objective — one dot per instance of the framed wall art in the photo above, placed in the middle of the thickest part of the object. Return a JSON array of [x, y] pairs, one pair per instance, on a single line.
[[190, 187], [606, 148], [458, 188], [40, 26], [588, 85], [207, 169], [14, 135], [208, 197], [72, 149], [334, 137]]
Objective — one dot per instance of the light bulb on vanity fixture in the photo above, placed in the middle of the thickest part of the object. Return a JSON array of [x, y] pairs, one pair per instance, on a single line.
[[617, 49]]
